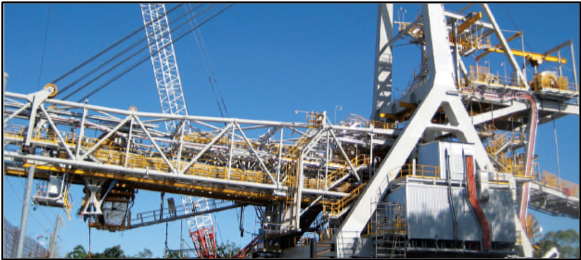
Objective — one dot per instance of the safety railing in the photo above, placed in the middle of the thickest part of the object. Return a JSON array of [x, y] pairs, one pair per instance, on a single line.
[[353, 119], [13, 129], [140, 157], [339, 173], [422, 171], [337, 207], [315, 119], [495, 79], [551, 180], [382, 125], [483, 75], [302, 141]]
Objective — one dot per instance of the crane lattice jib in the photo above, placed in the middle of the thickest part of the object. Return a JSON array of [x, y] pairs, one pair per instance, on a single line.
[[172, 100], [164, 62]]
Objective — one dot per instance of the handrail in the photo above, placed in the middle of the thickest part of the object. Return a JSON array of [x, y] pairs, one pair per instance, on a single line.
[[338, 206], [551, 180], [422, 171], [339, 173]]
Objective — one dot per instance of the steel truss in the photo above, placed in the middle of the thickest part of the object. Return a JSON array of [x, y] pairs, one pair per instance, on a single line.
[[210, 159], [255, 162]]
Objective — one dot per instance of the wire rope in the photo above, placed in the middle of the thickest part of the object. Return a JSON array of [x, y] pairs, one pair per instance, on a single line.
[[518, 29], [147, 57], [19, 199], [205, 66], [212, 68], [44, 46], [119, 54], [115, 57], [112, 46], [119, 63]]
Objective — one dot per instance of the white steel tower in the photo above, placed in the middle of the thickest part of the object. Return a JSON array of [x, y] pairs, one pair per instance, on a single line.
[[172, 100]]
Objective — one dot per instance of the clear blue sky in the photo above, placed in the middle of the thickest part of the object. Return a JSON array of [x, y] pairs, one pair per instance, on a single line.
[[269, 60]]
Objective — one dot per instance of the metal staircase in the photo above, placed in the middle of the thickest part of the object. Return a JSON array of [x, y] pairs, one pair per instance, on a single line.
[[501, 149], [420, 74]]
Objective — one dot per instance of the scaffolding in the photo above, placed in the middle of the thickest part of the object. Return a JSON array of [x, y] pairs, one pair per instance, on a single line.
[[32, 247], [388, 229]]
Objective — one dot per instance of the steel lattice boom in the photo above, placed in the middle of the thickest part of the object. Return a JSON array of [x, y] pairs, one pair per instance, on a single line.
[[171, 95], [437, 170]]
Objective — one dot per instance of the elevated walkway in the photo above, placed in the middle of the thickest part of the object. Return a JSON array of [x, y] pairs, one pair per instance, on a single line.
[[555, 196]]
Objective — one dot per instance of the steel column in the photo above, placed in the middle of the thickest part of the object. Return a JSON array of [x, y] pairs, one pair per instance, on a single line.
[[82, 131], [574, 69], [128, 142], [383, 59], [25, 205]]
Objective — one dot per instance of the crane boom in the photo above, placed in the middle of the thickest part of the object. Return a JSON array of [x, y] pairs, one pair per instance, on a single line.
[[165, 67], [172, 100]]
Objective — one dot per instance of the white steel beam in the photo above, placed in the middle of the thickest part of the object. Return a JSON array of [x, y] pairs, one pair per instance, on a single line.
[[442, 81], [504, 45], [383, 59], [155, 144], [16, 113], [36, 99], [214, 140], [255, 154], [58, 133], [353, 171], [516, 107], [82, 131], [105, 139]]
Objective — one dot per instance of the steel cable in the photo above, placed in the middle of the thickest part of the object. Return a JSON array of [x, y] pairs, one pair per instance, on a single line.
[[213, 76], [117, 56], [148, 56], [133, 55], [112, 46], [44, 46], [19, 199], [206, 68]]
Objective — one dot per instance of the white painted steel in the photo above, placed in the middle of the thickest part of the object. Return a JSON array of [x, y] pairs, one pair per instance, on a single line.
[[383, 59], [165, 68], [441, 81], [504, 45]]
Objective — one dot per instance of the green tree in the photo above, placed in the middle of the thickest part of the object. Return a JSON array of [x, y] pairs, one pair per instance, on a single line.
[[228, 249], [146, 253], [113, 252], [78, 252], [566, 242]]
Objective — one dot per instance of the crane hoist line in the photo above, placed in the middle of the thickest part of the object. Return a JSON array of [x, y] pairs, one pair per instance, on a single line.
[[143, 59], [111, 47]]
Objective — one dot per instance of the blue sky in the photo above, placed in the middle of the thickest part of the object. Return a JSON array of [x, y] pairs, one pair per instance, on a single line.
[[269, 61]]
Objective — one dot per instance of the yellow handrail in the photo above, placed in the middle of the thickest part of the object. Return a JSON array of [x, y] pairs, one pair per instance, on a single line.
[[423, 171]]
